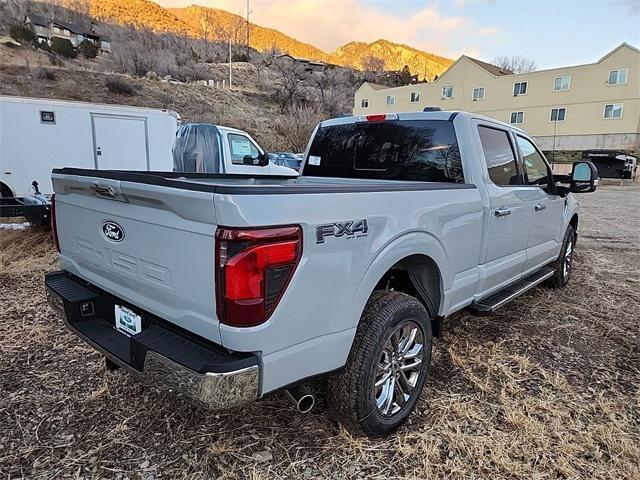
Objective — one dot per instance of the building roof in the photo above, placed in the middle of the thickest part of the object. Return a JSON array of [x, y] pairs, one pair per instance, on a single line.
[[492, 69], [37, 19], [376, 86], [77, 28]]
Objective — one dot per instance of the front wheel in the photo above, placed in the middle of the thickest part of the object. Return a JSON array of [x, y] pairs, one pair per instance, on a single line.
[[387, 366], [563, 265]]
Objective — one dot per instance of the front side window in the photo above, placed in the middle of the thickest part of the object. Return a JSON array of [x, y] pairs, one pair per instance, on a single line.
[[618, 77], [478, 94], [417, 150], [562, 83], [519, 88], [415, 97], [391, 100], [499, 156], [364, 103], [558, 114], [447, 92], [536, 169], [613, 110], [517, 118], [243, 150]]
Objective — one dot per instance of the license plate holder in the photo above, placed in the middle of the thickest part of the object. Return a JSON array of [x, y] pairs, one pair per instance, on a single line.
[[127, 321]]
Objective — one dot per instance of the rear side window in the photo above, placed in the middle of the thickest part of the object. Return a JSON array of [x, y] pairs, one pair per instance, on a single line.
[[417, 150], [499, 155]]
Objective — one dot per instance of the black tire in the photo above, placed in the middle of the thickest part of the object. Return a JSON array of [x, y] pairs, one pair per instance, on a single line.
[[563, 265], [352, 393]]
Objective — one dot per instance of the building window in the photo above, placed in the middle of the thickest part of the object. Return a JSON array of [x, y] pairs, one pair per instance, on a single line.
[[56, 29], [558, 114], [613, 110], [618, 77], [415, 97], [517, 117], [447, 92], [364, 103], [391, 100], [519, 88], [478, 94], [562, 83]]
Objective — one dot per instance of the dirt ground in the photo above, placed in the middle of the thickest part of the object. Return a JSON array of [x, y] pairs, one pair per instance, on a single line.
[[547, 388]]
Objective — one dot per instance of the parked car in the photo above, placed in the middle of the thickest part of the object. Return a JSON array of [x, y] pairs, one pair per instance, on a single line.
[[289, 160], [224, 290], [207, 148]]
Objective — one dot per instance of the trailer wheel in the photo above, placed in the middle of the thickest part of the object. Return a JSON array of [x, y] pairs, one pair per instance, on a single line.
[[387, 366]]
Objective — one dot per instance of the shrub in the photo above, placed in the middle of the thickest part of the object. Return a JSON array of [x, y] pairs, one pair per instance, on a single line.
[[119, 87], [22, 33], [88, 49], [63, 47], [44, 74], [296, 125]]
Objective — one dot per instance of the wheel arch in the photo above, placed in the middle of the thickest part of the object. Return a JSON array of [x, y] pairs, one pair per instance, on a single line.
[[414, 264], [6, 190]]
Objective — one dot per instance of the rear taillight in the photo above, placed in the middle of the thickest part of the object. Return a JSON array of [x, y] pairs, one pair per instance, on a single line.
[[253, 269], [54, 229]]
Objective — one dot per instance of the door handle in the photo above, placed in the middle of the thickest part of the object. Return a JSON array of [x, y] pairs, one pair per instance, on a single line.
[[539, 207], [502, 212]]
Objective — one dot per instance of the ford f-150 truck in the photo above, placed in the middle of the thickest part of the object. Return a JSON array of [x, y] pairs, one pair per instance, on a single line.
[[224, 288]]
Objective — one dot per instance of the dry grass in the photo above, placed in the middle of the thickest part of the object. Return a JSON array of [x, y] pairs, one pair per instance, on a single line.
[[548, 388]]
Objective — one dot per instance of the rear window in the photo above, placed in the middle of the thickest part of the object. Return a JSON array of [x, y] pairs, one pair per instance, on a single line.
[[422, 150]]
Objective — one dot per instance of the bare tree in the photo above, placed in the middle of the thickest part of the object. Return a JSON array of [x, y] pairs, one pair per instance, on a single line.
[[51, 8], [371, 63], [19, 9], [288, 84], [335, 89], [81, 8], [515, 63], [296, 125]]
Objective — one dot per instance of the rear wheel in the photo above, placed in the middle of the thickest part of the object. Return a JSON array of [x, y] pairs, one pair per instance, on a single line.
[[387, 366], [563, 265]]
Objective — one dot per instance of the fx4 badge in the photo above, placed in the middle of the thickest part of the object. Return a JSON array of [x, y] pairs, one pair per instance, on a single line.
[[348, 229]]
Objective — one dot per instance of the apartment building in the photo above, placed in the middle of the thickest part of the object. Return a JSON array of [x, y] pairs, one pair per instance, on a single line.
[[567, 110]]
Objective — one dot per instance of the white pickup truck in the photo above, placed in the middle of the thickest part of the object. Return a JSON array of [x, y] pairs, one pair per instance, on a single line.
[[225, 289]]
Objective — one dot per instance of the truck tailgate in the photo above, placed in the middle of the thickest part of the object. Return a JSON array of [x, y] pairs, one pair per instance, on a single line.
[[150, 245]]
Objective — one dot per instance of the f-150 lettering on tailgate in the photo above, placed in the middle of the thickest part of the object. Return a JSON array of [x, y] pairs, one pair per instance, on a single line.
[[110, 258]]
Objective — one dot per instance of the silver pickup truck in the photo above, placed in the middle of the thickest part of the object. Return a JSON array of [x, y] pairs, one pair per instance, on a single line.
[[226, 288]]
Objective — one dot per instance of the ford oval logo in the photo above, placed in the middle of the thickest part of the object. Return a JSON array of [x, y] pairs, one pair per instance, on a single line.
[[113, 231]]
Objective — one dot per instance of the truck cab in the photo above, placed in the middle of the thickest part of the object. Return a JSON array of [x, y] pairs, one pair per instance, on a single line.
[[208, 148]]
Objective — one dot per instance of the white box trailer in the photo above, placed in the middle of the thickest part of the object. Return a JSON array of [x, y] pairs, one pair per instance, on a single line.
[[38, 135]]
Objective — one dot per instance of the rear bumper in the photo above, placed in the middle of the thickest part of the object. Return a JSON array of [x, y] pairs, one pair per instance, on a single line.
[[161, 355]]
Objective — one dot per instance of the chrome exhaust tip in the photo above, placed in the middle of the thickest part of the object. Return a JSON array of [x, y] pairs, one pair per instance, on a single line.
[[301, 398]]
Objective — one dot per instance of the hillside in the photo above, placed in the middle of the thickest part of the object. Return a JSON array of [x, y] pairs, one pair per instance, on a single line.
[[215, 24], [395, 56]]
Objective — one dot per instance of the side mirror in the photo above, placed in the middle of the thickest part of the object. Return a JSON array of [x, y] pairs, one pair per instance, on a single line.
[[584, 177], [263, 159]]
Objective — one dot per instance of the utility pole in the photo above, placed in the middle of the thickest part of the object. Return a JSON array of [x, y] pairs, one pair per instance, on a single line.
[[229, 62], [248, 27]]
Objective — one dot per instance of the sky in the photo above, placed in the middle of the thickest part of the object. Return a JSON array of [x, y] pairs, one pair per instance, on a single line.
[[553, 33]]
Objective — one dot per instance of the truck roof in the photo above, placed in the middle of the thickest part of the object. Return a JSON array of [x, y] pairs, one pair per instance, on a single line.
[[431, 115]]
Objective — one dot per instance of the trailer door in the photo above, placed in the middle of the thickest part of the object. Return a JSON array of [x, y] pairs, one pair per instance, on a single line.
[[120, 142]]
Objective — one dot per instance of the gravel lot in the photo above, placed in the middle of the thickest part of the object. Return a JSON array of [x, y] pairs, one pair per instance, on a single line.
[[547, 388]]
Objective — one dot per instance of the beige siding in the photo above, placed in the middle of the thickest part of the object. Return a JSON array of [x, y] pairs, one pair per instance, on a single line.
[[584, 101]]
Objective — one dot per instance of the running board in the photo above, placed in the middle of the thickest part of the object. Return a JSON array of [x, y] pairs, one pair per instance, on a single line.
[[493, 302]]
